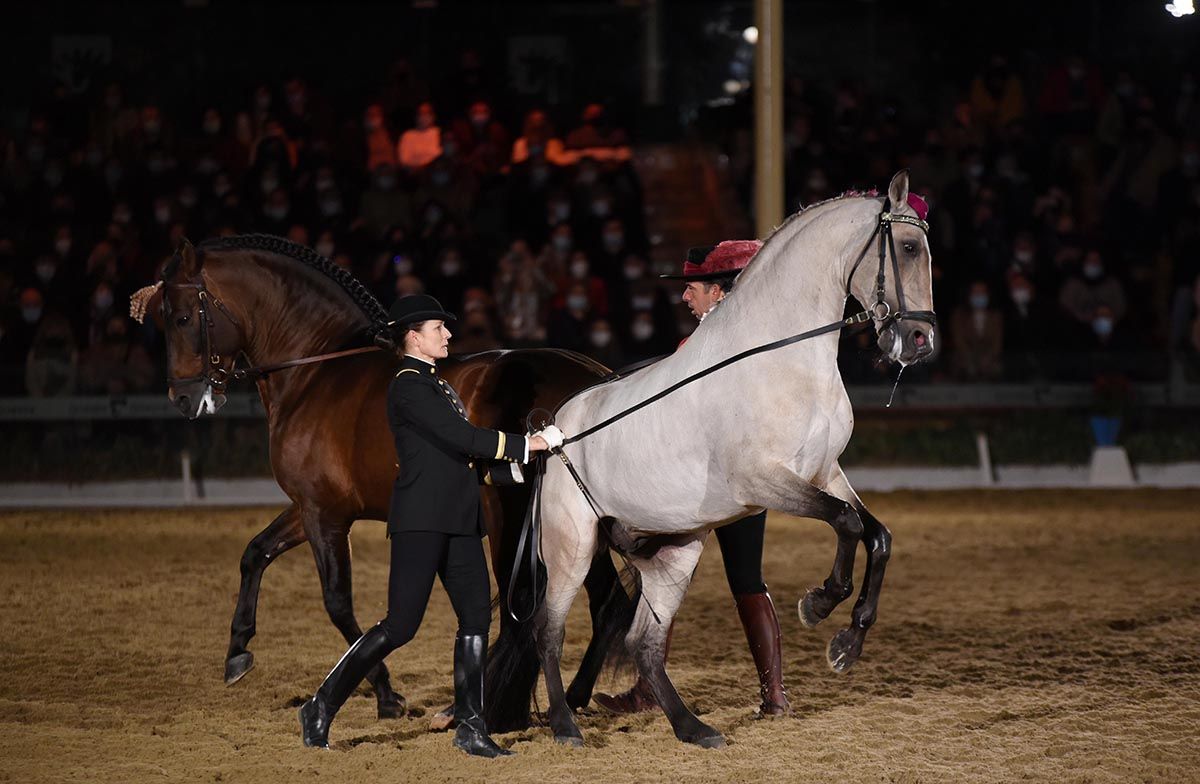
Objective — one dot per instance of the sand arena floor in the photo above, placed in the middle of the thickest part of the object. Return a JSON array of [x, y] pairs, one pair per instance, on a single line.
[[1035, 636]]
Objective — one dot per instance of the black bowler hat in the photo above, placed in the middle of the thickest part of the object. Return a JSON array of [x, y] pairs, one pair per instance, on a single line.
[[417, 307]]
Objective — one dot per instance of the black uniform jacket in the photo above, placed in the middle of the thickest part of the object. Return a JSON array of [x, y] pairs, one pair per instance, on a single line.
[[437, 486]]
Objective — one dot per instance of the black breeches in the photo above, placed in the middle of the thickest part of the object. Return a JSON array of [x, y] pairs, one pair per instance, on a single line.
[[742, 550], [458, 560]]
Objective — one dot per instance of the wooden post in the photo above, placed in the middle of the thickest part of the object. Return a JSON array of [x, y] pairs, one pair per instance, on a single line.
[[768, 116]]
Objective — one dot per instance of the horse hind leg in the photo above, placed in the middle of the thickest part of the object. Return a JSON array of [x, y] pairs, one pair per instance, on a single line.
[[331, 548], [665, 580], [284, 533], [820, 601], [612, 612]]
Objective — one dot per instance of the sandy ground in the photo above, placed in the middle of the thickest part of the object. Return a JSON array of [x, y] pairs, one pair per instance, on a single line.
[[1022, 636]]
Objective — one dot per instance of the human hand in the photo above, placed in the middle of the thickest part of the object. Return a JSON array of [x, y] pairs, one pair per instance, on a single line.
[[552, 436], [537, 444]]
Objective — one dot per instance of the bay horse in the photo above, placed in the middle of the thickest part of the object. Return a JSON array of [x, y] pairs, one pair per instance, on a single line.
[[784, 419], [266, 301]]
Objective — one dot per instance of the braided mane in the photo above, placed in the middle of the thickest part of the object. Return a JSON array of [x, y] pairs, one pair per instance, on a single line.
[[365, 300]]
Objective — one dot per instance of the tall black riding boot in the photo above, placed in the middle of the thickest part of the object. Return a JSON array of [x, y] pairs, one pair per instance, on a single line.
[[318, 713], [470, 653]]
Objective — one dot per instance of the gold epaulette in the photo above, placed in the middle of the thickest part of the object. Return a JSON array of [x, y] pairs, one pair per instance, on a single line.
[[406, 370]]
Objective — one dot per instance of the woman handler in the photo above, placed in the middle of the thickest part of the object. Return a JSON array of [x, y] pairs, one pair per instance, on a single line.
[[435, 527]]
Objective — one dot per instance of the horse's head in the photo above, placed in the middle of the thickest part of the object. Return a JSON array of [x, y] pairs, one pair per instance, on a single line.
[[898, 288], [203, 337]]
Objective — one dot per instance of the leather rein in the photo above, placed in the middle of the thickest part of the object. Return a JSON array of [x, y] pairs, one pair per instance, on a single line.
[[217, 376]]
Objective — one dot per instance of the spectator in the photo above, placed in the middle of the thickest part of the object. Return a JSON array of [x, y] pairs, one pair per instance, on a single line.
[[116, 365], [52, 365], [483, 144], [421, 145], [977, 337], [997, 97], [570, 325], [602, 345], [598, 139], [538, 142], [1085, 293], [384, 204], [380, 148]]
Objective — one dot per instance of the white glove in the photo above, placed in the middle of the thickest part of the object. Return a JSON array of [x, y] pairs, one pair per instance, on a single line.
[[552, 436]]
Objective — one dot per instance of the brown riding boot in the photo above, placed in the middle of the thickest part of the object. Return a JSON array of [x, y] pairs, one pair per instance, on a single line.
[[639, 698], [762, 632]]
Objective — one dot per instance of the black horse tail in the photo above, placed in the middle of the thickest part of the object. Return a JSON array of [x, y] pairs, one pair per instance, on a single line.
[[513, 665]]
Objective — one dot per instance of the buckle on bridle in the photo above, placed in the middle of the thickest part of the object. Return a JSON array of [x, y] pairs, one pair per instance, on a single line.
[[884, 306]]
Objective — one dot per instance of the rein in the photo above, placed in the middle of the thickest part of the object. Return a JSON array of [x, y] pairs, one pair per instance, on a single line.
[[216, 376], [880, 310], [531, 531]]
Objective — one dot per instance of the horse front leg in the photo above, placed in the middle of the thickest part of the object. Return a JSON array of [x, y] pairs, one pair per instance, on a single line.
[[665, 579], [846, 646], [284, 533], [331, 549], [843, 518]]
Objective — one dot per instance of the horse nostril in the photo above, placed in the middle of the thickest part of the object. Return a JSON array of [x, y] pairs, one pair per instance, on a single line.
[[182, 402], [919, 338]]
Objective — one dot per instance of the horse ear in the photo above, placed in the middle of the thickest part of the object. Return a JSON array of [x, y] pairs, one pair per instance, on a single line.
[[189, 264], [898, 190]]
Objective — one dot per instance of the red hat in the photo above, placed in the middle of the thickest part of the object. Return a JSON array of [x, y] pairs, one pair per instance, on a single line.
[[723, 260]]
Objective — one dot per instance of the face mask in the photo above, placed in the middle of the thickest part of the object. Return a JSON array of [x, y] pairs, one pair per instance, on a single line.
[[122, 216], [1103, 326], [539, 175], [642, 302], [600, 208], [579, 269], [559, 212], [268, 184], [151, 127], [262, 100], [601, 338], [1022, 296], [402, 265], [212, 127], [561, 244], [450, 268], [587, 176], [642, 330], [62, 246], [979, 301], [102, 300], [162, 214], [221, 188], [1092, 271], [275, 212], [53, 177], [433, 215], [424, 122], [187, 199], [373, 125], [480, 120], [324, 183], [1023, 257], [632, 272], [156, 165], [576, 302], [31, 315], [385, 183], [440, 179], [613, 242], [325, 249], [206, 166], [330, 207], [95, 158], [975, 170], [45, 271]]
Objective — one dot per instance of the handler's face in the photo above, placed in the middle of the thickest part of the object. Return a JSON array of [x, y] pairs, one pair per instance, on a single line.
[[700, 296], [432, 339]]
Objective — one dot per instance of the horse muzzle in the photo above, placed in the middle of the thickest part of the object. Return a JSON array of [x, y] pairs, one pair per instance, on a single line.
[[908, 342], [195, 399]]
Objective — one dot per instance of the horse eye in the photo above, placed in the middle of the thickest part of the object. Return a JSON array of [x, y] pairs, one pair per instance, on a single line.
[[182, 321], [910, 248]]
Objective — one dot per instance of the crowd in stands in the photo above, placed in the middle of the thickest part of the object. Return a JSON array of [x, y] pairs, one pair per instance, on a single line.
[[1065, 215]]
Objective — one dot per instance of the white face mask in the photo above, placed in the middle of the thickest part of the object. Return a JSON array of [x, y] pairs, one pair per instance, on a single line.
[[45, 271], [62, 246], [402, 265], [162, 214], [31, 315], [103, 300], [579, 269], [979, 301], [1092, 271], [1103, 325], [601, 338], [325, 249], [451, 268], [576, 302], [1022, 296], [642, 302], [642, 330]]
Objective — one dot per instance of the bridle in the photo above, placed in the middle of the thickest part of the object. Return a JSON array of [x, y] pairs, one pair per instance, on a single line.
[[880, 310], [213, 372]]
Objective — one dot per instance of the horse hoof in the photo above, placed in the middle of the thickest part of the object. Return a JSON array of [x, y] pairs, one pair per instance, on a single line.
[[843, 651], [808, 614], [394, 708], [569, 740], [442, 720], [710, 741], [236, 667]]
